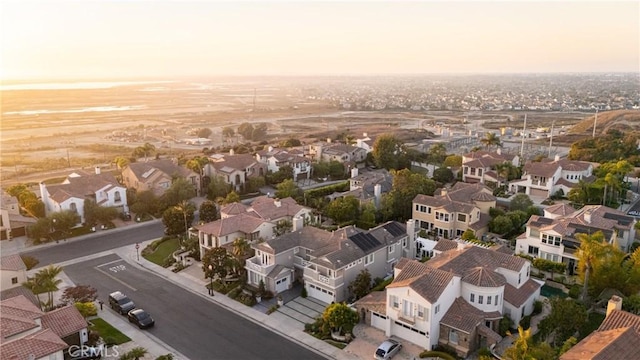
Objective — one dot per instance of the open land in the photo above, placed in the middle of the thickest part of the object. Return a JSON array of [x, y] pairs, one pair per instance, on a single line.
[[45, 133]]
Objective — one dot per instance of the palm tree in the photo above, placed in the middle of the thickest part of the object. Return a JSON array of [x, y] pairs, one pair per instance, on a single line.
[[591, 248], [36, 288], [491, 139], [184, 206], [46, 278], [240, 247]]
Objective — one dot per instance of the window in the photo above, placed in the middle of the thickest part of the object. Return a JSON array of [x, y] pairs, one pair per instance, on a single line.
[[533, 250], [368, 259], [472, 298], [420, 311], [496, 299], [390, 249], [462, 217], [437, 309], [488, 300], [117, 197], [551, 240], [480, 299], [519, 278], [404, 242], [14, 280], [453, 336], [429, 210], [407, 308], [442, 216], [394, 301]]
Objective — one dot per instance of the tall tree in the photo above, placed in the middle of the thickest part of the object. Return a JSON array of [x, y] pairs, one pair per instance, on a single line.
[[361, 285], [286, 189], [181, 189], [340, 317], [343, 210], [145, 151], [491, 139], [387, 150], [591, 247], [406, 185], [221, 263], [208, 211]]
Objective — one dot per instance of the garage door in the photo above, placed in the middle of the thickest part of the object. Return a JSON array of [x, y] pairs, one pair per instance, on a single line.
[[378, 321], [409, 333], [320, 293], [539, 193], [282, 284]]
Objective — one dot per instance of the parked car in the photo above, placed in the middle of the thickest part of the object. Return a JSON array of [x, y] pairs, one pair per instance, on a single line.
[[387, 349], [121, 303], [141, 318]]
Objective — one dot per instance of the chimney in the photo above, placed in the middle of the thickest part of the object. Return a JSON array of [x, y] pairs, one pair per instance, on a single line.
[[410, 249], [329, 140], [277, 202], [364, 135], [354, 172], [377, 193], [97, 170], [557, 158], [270, 148], [231, 152], [443, 191], [298, 223], [615, 303], [587, 216], [499, 151]]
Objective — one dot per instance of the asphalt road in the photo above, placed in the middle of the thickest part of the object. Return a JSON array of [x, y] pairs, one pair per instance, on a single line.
[[97, 242], [195, 327]]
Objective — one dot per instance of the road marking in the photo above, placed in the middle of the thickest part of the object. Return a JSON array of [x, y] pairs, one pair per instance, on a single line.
[[116, 279], [110, 262]]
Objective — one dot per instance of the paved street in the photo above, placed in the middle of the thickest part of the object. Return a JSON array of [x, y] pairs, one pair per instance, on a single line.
[[187, 322], [97, 242]]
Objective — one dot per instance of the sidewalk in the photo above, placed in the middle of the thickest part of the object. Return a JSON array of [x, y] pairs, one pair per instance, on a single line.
[[287, 327]]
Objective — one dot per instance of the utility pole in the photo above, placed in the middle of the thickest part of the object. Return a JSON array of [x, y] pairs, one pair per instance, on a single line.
[[522, 144], [551, 138], [68, 158], [595, 123]]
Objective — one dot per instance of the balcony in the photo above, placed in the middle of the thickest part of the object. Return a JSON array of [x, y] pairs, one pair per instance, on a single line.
[[315, 276], [254, 264], [301, 261]]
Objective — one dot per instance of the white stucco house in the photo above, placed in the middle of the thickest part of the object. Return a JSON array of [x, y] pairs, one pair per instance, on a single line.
[[277, 158], [544, 179], [479, 166], [101, 188], [553, 235], [457, 298]]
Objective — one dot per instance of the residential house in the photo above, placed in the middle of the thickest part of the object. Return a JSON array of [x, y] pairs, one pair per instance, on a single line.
[[327, 262], [553, 235], [157, 176], [546, 178], [28, 333], [456, 298], [365, 143], [277, 158], [616, 338], [234, 169], [452, 212], [12, 223], [253, 222], [367, 186], [479, 166], [13, 272], [101, 188], [346, 154]]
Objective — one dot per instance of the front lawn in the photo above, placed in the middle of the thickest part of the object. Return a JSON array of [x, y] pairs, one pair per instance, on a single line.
[[108, 333], [163, 251]]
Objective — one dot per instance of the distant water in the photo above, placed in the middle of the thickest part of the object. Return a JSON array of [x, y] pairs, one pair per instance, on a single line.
[[87, 109], [75, 85]]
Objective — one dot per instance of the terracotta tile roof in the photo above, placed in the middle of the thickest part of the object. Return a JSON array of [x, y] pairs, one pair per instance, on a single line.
[[375, 301], [245, 223], [36, 346], [545, 169], [12, 263], [427, 282], [494, 155], [560, 209], [17, 291], [64, 321], [458, 261], [613, 344], [81, 186], [574, 165], [483, 196], [445, 245], [18, 315], [274, 209], [480, 276], [309, 237], [165, 166], [234, 209], [464, 317], [518, 296], [462, 192], [619, 319], [483, 222]]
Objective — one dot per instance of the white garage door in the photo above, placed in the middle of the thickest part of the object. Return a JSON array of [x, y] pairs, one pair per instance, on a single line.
[[539, 193], [408, 333], [282, 284], [320, 293], [378, 321]]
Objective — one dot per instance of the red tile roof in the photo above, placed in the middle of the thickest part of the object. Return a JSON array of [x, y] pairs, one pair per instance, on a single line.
[[464, 317], [64, 321], [12, 263], [614, 344], [18, 315], [33, 346], [517, 296]]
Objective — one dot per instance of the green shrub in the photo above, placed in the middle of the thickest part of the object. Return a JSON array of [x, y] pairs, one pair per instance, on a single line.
[[436, 354], [505, 325], [382, 285], [29, 261], [484, 352], [274, 308], [235, 292], [574, 291], [537, 307], [525, 323], [303, 293]]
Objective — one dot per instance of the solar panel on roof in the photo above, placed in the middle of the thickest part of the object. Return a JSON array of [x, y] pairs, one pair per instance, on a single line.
[[394, 229], [622, 219], [365, 241]]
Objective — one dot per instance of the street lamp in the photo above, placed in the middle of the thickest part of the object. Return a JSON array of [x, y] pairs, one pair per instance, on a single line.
[[53, 229], [211, 280]]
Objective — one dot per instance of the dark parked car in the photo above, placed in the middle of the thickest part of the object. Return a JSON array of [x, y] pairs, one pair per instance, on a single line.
[[141, 318], [121, 303]]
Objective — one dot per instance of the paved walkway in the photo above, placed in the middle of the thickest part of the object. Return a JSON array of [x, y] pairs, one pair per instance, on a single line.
[[507, 341]]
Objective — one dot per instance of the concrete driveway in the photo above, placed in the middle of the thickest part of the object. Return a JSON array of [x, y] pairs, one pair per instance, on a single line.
[[368, 338]]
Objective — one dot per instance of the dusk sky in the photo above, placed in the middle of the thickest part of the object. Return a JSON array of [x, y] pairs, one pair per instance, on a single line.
[[119, 39]]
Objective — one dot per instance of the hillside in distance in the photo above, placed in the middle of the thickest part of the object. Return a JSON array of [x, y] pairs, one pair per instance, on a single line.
[[623, 120]]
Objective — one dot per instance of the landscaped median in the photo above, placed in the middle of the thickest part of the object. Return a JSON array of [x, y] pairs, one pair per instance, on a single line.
[[109, 334], [160, 251]]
